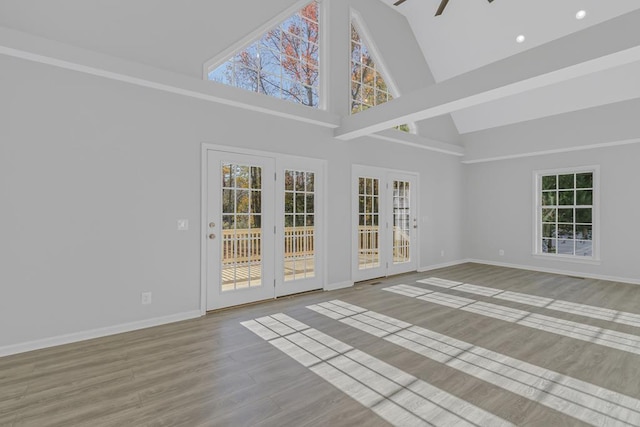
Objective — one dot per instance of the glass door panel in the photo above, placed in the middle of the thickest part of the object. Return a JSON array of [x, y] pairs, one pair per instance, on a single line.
[[299, 225], [242, 227], [401, 222], [300, 217], [368, 223], [240, 240]]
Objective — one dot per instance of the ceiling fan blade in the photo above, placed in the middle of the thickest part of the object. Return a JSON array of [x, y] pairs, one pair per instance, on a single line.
[[399, 2], [443, 4]]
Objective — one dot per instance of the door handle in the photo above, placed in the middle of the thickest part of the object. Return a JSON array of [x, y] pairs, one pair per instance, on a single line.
[[212, 236]]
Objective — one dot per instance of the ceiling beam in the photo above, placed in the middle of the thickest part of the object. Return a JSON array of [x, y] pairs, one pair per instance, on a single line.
[[610, 44]]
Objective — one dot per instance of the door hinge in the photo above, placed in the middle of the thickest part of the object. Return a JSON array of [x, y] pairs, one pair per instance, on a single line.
[[387, 265], [274, 283], [274, 229], [275, 176]]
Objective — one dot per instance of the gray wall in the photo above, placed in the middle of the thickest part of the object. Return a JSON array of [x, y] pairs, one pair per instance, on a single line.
[[94, 174], [499, 210]]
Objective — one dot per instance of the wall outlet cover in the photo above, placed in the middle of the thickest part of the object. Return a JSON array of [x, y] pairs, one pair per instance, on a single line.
[[145, 298]]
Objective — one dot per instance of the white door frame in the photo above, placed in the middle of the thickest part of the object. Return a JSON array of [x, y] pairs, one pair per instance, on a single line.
[[281, 161], [385, 194]]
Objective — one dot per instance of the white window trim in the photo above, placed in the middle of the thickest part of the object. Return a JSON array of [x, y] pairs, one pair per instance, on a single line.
[[537, 220], [247, 40]]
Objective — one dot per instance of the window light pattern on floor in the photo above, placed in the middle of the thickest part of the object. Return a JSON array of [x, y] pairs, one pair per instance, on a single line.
[[394, 395], [584, 401], [593, 334]]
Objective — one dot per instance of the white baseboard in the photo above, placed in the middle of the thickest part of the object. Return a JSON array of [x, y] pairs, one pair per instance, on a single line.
[[95, 333], [557, 271], [443, 265], [336, 286]]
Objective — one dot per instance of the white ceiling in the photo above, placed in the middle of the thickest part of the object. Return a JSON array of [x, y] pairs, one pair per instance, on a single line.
[[474, 33]]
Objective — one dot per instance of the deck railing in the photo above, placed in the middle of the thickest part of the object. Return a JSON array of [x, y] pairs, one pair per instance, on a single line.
[[243, 245]]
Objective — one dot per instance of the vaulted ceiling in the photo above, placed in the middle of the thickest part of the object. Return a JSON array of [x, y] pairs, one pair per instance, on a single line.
[[473, 33], [469, 37]]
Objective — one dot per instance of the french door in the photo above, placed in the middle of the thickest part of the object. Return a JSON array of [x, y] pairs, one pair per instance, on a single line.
[[384, 222], [263, 227], [240, 229]]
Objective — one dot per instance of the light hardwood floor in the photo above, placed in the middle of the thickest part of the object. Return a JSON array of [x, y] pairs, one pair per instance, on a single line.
[[215, 371]]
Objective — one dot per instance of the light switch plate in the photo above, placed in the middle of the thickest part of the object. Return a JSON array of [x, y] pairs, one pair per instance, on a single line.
[[183, 224]]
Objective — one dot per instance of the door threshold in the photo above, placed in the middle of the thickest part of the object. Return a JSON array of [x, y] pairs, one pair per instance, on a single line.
[[263, 301]]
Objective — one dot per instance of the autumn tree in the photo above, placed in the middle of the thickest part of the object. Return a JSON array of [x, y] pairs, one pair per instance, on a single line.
[[283, 63]]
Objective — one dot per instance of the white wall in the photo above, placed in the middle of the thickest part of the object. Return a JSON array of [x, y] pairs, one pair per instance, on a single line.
[[499, 210], [94, 174]]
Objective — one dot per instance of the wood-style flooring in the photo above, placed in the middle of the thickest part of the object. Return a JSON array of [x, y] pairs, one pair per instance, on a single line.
[[218, 371]]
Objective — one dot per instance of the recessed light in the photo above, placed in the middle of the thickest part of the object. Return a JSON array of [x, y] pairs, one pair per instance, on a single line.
[[520, 38], [581, 14]]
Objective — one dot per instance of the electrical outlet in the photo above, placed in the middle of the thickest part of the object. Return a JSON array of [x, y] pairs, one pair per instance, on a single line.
[[442, 252], [145, 298], [501, 252]]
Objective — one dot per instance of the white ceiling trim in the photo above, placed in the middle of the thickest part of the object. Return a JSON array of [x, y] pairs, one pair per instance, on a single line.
[[412, 140], [549, 64], [25, 46], [556, 151]]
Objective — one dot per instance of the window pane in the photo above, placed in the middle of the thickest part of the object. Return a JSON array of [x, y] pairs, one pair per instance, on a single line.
[[566, 197], [566, 181], [256, 202], [584, 216], [565, 231], [228, 222], [256, 178], [228, 201], [565, 215], [290, 50], [548, 215], [584, 232], [242, 201], [549, 230], [288, 202], [565, 247], [549, 182], [299, 202], [300, 181], [310, 202], [288, 180], [549, 198], [584, 248], [584, 197], [549, 246], [310, 182], [584, 180]]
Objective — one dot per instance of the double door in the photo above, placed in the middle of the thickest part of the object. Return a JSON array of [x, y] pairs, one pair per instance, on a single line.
[[385, 222], [263, 227]]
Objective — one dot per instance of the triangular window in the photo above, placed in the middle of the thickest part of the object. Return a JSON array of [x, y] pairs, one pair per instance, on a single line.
[[283, 63], [368, 86]]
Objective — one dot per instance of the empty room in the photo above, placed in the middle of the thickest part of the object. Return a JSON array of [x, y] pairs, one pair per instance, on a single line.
[[319, 213]]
